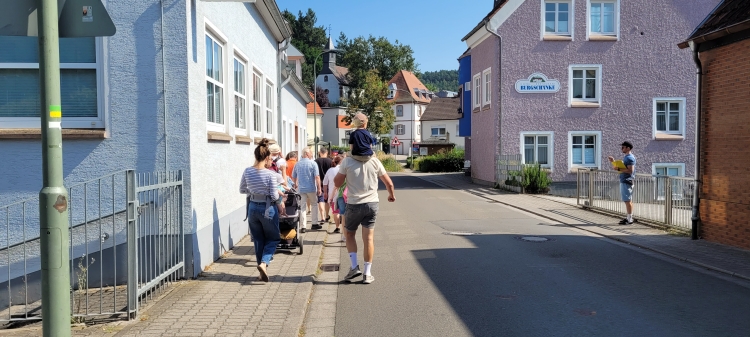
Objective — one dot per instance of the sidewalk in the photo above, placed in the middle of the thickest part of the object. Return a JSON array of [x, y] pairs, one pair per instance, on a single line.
[[713, 256], [227, 299]]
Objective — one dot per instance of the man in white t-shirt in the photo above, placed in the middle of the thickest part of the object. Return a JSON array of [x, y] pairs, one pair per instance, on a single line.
[[362, 208]]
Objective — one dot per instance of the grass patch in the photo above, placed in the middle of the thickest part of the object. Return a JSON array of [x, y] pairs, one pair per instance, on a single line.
[[389, 162]]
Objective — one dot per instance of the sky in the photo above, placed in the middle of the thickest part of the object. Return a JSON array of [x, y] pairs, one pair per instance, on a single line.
[[433, 29]]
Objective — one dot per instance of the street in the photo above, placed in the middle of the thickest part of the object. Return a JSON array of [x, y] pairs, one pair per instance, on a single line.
[[494, 283]]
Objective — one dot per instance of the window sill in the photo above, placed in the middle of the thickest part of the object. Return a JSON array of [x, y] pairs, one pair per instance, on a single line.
[[219, 136], [243, 139], [602, 38], [663, 136], [486, 107], [584, 105], [258, 139], [557, 38], [476, 110], [66, 134], [575, 169]]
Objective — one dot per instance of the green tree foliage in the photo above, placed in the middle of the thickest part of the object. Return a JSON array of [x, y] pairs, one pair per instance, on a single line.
[[308, 38], [440, 80], [371, 100], [361, 55]]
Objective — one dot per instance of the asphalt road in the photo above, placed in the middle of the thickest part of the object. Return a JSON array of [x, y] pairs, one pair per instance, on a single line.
[[429, 283]]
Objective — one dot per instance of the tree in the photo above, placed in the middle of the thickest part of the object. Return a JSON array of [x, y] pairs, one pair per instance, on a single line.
[[308, 39], [321, 97], [440, 80], [371, 100], [361, 55]]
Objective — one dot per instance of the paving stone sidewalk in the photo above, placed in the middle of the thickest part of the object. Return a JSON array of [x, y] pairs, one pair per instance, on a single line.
[[717, 257], [227, 299]]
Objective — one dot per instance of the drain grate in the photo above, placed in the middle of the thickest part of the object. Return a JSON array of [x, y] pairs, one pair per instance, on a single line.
[[461, 233], [329, 267], [533, 239]]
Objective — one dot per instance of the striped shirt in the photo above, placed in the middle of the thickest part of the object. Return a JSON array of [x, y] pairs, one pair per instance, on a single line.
[[306, 170], [257, 181]]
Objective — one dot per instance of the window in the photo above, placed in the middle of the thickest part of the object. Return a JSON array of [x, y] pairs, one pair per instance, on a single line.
[[399, 111], [585, 149], [240, 100], [669, 170], [419, 110], [269, 108], [437, 131], [293, 65], [537, 148], [419, 131], [325, 78], [585, 85], [79, 83], [256, 101], [477, 91], [669, 117], [557, 18], [400, 129], [603, 18], [214, 80], [487, 74]]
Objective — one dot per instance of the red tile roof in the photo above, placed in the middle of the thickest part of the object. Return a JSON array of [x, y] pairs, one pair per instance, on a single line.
[[407, 81], [314, 104]]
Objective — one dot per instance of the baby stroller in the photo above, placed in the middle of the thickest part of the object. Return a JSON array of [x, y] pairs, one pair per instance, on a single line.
[[291, 221]]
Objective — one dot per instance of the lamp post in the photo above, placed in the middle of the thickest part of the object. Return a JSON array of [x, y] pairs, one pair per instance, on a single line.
[[413, 103]]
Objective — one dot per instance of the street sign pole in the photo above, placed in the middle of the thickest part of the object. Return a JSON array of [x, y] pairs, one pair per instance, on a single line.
[[53, 198]]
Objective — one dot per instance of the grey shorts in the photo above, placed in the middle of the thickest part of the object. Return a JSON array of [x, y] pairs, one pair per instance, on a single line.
[[363, 214]]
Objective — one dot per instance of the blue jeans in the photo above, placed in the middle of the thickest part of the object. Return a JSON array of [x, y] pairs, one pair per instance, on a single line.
[[265, 232]]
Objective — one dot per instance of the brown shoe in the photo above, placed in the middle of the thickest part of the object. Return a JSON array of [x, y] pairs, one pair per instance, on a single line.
[[262, 270]]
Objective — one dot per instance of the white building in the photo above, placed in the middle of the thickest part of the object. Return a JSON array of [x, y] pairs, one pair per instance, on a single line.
[[410, 98], [439, 122], [332, 78]]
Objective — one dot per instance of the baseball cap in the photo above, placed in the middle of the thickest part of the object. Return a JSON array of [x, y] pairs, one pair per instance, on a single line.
[[628, 144]]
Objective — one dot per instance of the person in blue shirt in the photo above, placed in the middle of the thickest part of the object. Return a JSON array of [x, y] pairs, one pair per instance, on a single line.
[[627, 178]]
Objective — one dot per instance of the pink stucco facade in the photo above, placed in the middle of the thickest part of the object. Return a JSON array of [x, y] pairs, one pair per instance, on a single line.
[[644, 64]]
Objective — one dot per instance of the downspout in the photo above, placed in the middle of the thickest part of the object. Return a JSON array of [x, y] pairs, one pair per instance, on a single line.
[[279, 117], [164, 90], [499, 93], [696, 219]]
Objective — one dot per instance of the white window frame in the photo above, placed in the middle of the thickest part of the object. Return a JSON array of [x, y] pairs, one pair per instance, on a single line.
[[257, 123], [442, 126], [669, 134], [679, 166], [550, 146], [569, 36], [476, 98], [402, 110], [593, 36], [659, 191], [102, 102], [243, 59], [269, 108], [215, 34], [400, 129], [486, 87], [597, 147], [585, 102]]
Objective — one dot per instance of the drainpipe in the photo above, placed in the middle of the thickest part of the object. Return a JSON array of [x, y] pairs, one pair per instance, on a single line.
[[282, 49], [493, 30], [164, 90], [696, 219]]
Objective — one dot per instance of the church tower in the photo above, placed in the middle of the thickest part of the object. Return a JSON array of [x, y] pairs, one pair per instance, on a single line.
[[329, 57]]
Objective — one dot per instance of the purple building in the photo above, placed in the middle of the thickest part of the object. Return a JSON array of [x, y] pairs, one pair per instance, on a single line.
[[564, 82]]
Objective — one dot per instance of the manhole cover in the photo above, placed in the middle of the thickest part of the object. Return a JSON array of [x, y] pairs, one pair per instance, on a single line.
[[461, 233], [534, 239], [329, 267]]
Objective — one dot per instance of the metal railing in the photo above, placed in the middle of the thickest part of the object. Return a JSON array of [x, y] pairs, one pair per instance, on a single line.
[[664, 200], [125, 242], [508, 170]]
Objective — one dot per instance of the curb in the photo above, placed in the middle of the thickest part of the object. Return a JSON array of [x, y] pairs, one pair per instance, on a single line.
[[655, 250]]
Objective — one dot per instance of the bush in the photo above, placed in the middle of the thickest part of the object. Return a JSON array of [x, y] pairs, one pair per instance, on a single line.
[[450, 161], [389, 162], [535, 179], [410, 161]]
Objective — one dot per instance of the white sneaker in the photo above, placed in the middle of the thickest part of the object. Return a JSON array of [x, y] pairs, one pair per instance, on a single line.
[[367, 279]]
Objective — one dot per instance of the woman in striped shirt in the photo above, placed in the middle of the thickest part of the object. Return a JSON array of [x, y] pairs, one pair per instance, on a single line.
[[265, 205]]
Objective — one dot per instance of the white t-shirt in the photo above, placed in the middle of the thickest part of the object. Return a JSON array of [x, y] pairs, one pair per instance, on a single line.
[[362, 179], [328, 180], [281, 164]]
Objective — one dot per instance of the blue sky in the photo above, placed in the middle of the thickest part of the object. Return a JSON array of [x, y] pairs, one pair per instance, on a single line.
[[433, 29]]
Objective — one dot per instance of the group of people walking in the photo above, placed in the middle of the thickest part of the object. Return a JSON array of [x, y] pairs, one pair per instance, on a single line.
[[345, 184]]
